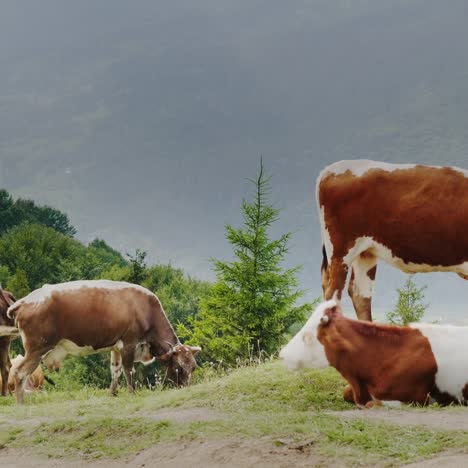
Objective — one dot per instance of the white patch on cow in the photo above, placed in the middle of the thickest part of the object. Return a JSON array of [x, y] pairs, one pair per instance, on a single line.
[[116, 365], [392, 403], [388, 403], [42, 294], [54, 358], [358, 167], [365, 243], [449, 344], [362, 283], [304, 349], [143, 354]]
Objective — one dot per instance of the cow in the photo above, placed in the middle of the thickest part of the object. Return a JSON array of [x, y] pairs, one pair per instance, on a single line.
[[34, 382], [85, 317], [6, 331], [420, 363], [413, 217]]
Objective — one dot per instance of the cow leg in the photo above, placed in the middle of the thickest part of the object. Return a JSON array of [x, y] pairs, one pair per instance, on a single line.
[[360, 393], [116, 370], [348, 394], [361, 284], [337, 272], [5, 363], [128, 357], [23, 371]]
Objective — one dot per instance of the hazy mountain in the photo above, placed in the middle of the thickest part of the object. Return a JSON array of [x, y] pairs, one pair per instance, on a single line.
[[143, 119]]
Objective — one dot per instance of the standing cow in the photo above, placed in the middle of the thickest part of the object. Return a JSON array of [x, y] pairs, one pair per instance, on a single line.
[[85, 317], [6, 331], [413, 217]]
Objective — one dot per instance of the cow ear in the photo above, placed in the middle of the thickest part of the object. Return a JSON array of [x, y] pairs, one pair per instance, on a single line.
[[165, 357]]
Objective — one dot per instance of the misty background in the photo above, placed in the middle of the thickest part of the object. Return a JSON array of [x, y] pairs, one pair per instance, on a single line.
[[143, 120]]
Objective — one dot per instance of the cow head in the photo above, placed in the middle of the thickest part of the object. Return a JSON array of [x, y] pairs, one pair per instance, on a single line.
[[179, 363], [305, 349], [6, 300]]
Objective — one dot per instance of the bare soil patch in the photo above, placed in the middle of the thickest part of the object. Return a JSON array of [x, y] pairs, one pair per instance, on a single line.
[[235, 453], [444, 419], [446, 461]]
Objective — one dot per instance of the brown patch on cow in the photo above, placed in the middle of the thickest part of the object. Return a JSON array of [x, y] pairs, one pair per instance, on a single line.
[[380, 362], [406, 210]]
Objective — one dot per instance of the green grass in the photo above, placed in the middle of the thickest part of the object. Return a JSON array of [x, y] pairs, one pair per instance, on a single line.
[[250, 403]]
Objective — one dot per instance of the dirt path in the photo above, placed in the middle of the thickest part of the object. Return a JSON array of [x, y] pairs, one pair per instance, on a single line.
[[235, 453], [444, 419], [258, 453]]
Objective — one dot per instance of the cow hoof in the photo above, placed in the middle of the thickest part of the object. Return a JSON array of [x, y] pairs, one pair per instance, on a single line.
[[374, 404]]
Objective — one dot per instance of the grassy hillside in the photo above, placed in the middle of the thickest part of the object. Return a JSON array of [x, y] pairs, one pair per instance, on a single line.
[[263, 403]]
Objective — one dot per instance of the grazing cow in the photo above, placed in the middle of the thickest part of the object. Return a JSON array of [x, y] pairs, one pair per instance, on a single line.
[[411, 216], [34, 382], [415, 364], [6, 331], [85, 317]]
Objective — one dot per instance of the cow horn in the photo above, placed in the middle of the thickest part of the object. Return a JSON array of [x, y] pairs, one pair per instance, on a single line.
[[324, 320], [173, 347], [195, 349]]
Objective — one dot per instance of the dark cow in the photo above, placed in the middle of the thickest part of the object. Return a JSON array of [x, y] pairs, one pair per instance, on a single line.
[[420, 363], [413, 217], [6, 331], [84, 317]]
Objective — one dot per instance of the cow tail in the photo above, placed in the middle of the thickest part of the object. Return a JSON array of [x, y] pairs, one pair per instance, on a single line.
[[13, 310], [325, 258], [48, 379]]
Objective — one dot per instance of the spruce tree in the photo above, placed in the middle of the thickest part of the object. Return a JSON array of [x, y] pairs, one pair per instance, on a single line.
[[409, 307], [252, 303]]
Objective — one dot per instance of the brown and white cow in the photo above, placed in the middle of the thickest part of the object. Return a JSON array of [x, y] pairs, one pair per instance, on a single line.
[[413, 217], [415, 364], [6, 331], [33, 383], [84, 317]]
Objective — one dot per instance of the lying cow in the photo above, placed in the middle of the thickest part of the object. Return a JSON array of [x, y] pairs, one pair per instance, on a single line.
[[415, 364], [411, 216], [85, 317], [34, 382], [6, 331]]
